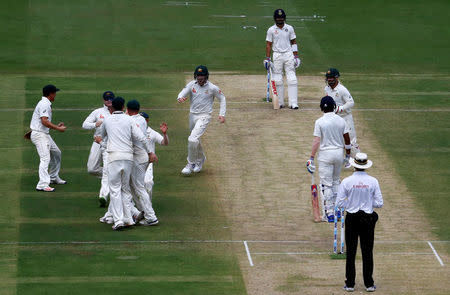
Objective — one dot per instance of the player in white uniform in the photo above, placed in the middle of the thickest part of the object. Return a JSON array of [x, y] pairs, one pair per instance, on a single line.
[[122, 134], [344, 103], [140, 164], [154, 137], [49, 153], [281, 39], [96, 163], [331, 134], [201, 93]]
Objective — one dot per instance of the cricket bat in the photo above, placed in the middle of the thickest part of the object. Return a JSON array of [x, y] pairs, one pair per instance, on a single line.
[[275, 102], [315, 200]]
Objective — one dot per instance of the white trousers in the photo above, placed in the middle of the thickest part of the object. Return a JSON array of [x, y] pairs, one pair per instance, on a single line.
[[94, 164], [330, 165], [119, 173], [50, 158], [104, 189], [197, 125], [148, 180], [284, 62], [140, 195], [351, 125]]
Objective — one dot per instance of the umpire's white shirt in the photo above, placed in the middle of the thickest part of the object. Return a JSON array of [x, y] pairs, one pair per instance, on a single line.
[[281, 38], [99, 114], [202, 97], [122, 133], [331, 129], [42, 109], [342, 97], [359, 191]]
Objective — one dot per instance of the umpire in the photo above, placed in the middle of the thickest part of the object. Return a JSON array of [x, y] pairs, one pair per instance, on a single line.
[[359, 194]]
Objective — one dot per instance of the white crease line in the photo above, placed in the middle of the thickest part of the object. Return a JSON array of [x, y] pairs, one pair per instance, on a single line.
[[248, 253], [229, 16], [435, 253], [325, 253], [208, 27]]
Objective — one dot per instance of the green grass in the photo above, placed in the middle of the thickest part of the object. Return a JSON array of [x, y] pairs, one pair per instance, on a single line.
[[140, 49]]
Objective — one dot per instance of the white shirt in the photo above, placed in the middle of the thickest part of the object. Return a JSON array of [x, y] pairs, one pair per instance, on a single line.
[[122, 133], [281, 38], [342, 97], [331, 129], [140, 154], [359, 191], [42, 109], [99, 114], [154, 137], [202, 97]]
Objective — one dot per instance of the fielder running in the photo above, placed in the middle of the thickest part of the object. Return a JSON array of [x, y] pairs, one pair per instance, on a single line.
[[154, 137], [201, 93], [96, 164], [344, 103], [331, 134], [49, 153], [281, 39]]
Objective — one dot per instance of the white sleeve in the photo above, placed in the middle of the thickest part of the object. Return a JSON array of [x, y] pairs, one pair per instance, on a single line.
[[348, 99], [139, 138], [292, 35], [317, 130], [377, 197], [102, 131], [44, 111], [186, 90], [269, 36], [341, 199], [223, 103], [89, 123], [158, 138]]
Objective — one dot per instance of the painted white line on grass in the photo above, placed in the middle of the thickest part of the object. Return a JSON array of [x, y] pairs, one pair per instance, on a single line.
[[229, 16], [435, 253], [249, 256], [326, 253], [208, 27]]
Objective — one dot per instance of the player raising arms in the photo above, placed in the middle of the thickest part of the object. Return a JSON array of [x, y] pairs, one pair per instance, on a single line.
[[202, 93], [281, 39], [344, 103]]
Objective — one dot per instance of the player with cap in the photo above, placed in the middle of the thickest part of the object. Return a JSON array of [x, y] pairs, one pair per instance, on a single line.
[[281, 39], [49, 153], [97, 153], [140, 164], [330, 138], [154, 137], [359, 194], [201, 93], [344, 103]]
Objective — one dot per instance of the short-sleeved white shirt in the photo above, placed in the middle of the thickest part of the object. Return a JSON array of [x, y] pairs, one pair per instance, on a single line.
[[342, 97], [281, 38], [202, 97], [99, 114], [154, 137], [331, 129], [42, 109]]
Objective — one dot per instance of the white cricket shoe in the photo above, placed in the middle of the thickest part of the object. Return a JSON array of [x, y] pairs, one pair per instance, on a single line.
[[118, 226], [188, 169], [198, 166], [58, 180], [371, 289], [349, 289], [138, 217], [45, 189], [107, 219], [149, 222]]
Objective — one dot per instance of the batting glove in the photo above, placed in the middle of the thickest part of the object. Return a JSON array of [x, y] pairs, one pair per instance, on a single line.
[[297, 61], [310, 165], [267, 62], [347, 161], [338, 110]]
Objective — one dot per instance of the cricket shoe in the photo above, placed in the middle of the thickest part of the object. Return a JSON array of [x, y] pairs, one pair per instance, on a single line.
[[349, 289], [187, 170], [102, 201], [58, 180], [371, 289], [198, 166], [347, 166], [107, 219], [45, 189], [149, 222], [138, 217], [294, 107], [118, 226]]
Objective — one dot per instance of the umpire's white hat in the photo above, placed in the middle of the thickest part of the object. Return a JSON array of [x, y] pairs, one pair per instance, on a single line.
[[360, 161]]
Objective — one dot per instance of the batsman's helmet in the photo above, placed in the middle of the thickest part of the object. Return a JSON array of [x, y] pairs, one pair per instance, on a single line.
[[279, 13], [327, 104], [332, 73], [201, 70]]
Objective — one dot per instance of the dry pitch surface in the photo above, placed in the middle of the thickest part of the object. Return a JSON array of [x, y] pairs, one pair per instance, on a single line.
[[257, 161]]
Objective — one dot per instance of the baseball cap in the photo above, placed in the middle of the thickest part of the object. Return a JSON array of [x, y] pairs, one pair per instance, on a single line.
[[108, 95], [133, 105], [49, 89]]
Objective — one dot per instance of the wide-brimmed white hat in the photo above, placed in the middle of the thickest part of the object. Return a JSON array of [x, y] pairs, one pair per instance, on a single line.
[[360, 161]]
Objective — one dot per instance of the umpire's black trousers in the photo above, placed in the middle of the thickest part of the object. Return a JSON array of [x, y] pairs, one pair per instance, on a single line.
[[362, 225]]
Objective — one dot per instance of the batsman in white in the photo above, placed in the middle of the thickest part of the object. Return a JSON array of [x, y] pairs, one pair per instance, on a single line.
[[122, 133], [96, 164], [344, 103], [154, 137], [331, 135], [140, 164], [201, 93], [281, 39], [49, 153]]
